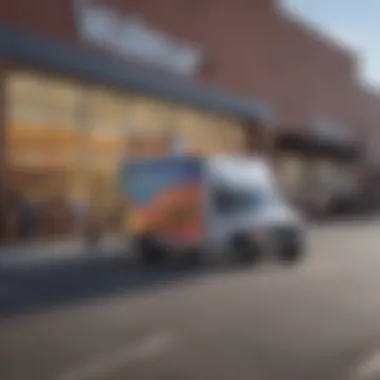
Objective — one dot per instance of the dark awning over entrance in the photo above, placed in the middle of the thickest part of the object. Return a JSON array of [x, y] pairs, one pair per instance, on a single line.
[[308, 145]]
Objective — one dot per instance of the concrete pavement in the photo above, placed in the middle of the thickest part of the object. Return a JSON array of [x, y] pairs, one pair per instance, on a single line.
[[320, 320]]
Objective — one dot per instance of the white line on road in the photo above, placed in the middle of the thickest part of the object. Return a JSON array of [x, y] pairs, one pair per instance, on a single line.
[[146, 349]]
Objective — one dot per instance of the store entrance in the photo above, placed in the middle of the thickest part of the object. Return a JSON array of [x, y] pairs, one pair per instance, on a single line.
[[37, 206]]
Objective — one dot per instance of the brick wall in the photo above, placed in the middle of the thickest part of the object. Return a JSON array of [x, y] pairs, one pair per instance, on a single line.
[[53, 18], [250, 48]]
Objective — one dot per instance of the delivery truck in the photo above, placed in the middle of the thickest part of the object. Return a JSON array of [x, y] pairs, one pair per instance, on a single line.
[[208, 209]]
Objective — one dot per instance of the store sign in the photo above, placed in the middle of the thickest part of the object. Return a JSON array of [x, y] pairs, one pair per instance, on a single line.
[[130, 37]]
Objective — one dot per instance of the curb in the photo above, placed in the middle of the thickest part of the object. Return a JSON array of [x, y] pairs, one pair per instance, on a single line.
[[80, 257]]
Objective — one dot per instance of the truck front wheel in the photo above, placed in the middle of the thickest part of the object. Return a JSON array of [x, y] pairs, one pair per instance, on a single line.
[[245, 250], [149, 250], [291, 253]]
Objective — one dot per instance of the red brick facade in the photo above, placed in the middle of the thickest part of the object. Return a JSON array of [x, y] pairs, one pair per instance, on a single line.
[[250, 48], [53, 18]]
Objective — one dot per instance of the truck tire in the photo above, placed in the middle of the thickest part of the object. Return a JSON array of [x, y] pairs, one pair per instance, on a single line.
[[292, 253], [149, 251], [193, 259], [244, 250]]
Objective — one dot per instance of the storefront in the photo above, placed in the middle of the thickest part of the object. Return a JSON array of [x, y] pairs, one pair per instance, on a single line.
[[69, 119], [315, 172]]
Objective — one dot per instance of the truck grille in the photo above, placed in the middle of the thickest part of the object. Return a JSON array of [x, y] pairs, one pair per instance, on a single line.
[[285, 233]]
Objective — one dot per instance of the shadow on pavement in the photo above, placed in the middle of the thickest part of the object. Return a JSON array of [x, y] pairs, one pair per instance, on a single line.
[[27, 290]]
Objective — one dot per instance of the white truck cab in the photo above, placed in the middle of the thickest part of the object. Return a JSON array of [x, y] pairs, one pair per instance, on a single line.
[[244, 207]]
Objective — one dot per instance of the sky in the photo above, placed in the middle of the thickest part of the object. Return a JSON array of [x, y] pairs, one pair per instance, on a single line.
[[355, 22]]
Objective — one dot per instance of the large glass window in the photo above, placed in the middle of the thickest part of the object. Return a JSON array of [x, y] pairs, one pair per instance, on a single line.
[[188, 122], [232, 134], [65, 140], [122, 125], [150, 122], [42, 143], [212, 131], [103, 124], [62, 99], [240, 199], [208, 133], [41, 121]]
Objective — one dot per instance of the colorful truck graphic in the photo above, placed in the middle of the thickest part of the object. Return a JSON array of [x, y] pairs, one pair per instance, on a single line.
[[164, 195]]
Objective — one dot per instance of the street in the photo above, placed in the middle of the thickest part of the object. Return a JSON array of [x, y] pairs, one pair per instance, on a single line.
[[106, 320]]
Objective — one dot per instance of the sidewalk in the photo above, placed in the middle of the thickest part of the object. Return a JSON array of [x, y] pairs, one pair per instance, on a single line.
[[42, 253]]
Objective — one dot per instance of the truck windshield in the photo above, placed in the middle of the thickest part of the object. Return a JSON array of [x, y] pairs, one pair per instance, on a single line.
[[238, 199]]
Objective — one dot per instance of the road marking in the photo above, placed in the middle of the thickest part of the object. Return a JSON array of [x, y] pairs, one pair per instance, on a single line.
[[369, 368], [146, 349]]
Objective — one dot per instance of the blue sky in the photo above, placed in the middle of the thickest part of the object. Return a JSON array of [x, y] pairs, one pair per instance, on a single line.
[[355, 22]]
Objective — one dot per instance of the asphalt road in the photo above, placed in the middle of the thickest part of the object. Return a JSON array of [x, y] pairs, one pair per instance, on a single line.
[[319, 320]]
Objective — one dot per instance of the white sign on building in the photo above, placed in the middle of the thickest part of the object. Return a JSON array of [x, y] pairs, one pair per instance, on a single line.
[[131, 37]]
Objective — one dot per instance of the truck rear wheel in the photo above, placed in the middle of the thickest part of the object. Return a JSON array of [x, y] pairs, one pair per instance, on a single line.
[[193, 258], [149, 250], [245, 251], [291, 253]]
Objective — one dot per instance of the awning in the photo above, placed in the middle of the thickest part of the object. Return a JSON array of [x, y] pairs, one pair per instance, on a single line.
[[40, 52], [310, 145]]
